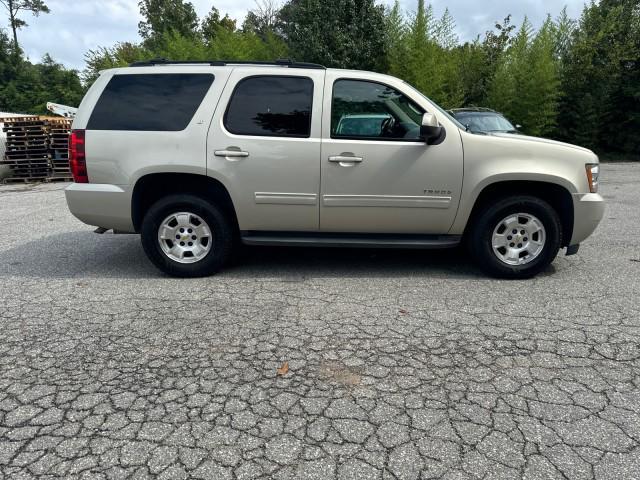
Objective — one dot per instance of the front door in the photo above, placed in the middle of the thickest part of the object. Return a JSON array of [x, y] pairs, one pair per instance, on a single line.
[[264, 146], [377, 176]]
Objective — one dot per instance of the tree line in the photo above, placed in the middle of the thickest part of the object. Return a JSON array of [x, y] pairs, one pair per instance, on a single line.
[[576, 80]]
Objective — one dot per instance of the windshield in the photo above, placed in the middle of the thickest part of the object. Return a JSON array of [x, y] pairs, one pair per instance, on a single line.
[[486, 122]]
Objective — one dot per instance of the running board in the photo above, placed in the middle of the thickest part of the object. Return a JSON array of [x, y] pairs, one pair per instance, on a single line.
[[303, 239]]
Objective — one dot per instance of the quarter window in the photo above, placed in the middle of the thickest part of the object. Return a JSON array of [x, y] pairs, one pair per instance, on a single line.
[[370, 110], [272, 106], [150, 102]]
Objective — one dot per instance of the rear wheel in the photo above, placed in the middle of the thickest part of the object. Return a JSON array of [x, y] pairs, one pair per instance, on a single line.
[[186, 236], [517, 237]]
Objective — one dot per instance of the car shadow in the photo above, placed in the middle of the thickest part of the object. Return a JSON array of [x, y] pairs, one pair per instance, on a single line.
[[84, 253], [352, 262]]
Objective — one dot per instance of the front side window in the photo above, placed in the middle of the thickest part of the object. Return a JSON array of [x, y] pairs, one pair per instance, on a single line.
[[271, 106], [373, 111], [150, 102]]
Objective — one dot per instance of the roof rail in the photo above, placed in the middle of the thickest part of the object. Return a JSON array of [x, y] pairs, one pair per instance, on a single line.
[[283, 62]]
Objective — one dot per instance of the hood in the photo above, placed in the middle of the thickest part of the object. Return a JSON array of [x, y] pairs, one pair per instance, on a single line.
[[546, 141]]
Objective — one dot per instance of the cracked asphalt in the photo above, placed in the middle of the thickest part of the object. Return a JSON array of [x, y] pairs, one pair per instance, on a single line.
[[401, 364]]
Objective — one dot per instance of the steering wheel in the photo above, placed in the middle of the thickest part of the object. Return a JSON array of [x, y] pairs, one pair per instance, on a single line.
[[386, 129]]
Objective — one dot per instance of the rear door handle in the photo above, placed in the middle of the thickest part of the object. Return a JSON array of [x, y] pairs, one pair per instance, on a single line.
[[231, 153], [345, 159]]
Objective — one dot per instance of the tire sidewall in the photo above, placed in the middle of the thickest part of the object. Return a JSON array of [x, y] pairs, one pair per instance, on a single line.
[[216, 220], [482, 245]]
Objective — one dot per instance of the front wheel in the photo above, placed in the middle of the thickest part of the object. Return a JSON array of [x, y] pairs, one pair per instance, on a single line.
[[186, 236], [516, 238]]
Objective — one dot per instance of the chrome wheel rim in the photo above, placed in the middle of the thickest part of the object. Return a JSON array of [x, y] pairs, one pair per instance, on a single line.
[[518, 239], [185, 237]]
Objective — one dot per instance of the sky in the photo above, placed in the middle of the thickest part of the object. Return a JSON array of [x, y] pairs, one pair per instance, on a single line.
[[75, 26]]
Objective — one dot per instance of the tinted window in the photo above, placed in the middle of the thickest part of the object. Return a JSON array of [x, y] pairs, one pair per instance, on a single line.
[[373, 111], [150, 102], [271, 106]]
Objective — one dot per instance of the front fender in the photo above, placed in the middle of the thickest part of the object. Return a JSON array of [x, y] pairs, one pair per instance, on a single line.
[[471, 195]]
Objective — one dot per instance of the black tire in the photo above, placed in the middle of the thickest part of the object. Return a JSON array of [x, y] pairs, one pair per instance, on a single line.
[[479, 239], [218, 222]]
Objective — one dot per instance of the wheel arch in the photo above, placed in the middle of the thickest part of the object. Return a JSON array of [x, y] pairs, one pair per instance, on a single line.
[[557, 195], [151, 187]]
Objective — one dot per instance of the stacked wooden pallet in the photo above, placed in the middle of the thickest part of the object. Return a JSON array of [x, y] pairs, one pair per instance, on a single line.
[[36, 148], [58, 130], [27, 149]]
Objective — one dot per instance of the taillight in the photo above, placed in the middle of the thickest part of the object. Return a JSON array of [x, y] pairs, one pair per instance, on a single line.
[[77, 158]]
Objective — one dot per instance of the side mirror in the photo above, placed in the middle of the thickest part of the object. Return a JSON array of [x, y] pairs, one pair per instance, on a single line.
[[518, 126], [430, 130]]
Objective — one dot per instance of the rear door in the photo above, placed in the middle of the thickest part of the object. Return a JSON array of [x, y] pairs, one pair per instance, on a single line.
[[264, 145]]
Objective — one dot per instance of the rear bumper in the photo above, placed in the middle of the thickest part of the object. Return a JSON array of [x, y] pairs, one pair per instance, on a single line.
[[101, 205], [588, 211]]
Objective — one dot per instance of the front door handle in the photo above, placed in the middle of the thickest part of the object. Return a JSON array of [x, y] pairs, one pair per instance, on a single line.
[[231, 153], [345, 159]]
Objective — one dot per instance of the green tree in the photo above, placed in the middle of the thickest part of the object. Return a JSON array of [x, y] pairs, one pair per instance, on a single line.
[[162, 16], [336, 33], [563, 30], [55, 84], [263, 18], [445, 31], [27, 87], [474, 72], [396, 35], [175, 46], [421, 55], [213, 22], [545, 80], [622, 129], [599, 105], [14, 7], [512, 68], [120, 55], [525, 85], [494, 45], [621, 119], [247, 46], [430, 66]]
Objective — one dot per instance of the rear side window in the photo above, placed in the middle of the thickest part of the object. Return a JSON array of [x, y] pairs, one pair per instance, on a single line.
[[272, 106], [150, 102]]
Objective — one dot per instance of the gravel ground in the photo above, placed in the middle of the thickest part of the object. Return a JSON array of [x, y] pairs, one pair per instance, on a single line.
[[402, 365]]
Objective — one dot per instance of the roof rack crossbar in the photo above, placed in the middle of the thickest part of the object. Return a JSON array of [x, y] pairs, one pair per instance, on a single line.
[[283, 62]]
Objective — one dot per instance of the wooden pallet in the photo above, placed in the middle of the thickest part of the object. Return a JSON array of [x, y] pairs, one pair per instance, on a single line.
[[31, 172], [34, 158], [37, 148], [17, 119], [22, 131], [11, 180], [54, 178], [27, 141]]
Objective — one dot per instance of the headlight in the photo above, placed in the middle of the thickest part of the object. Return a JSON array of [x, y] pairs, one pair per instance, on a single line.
[[593, 173]]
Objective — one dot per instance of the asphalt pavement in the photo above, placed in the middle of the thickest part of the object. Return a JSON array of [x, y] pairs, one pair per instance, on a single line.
[[315, 363]]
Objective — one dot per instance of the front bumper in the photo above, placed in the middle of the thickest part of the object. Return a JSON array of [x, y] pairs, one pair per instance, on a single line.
[[101, 205], [588, 210]]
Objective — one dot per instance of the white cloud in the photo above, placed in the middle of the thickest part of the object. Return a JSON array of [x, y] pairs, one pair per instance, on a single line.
[[75, 26]]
